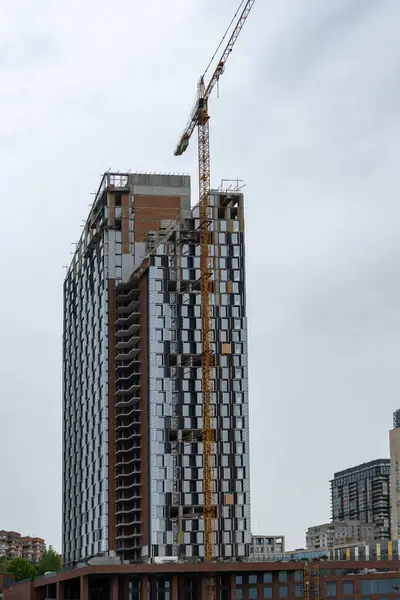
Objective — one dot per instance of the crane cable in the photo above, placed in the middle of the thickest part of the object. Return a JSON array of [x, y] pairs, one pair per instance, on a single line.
[[224, 36]]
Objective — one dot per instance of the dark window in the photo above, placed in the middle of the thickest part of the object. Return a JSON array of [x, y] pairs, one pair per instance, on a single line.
[[239, 593], [283, 576], [298, 576], [252, 593], [348, 588], [252, 579], [299, 591], [283, 591], [331, 588], [268, 591], [267, 577], [379, 586]]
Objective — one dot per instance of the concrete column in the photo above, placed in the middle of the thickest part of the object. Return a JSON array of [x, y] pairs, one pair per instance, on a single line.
[[114, 587], [123, 589], [174, 587], [37, 593], [84, 587], [144, 587], [153, 589], [260, 586], [232, 588], [60, 590]]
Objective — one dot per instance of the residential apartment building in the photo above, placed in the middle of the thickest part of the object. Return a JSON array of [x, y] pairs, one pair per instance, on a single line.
[[394, 441], [362, 493], [32, 548], [266, 545], [132, 402], [13, 545], [339, 533]]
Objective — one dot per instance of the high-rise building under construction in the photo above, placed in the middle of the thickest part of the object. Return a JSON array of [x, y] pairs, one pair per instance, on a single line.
[[132, 405]]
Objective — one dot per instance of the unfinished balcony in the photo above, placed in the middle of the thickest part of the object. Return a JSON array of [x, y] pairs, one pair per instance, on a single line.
[[123, 485], [128, 532], [125, 424], [123, 461], [128, 329], [131, 389], [128, 353], [132, 508], [127, 401], [127, 291], [124, 448], [127, 342], [125, 366], [125, 320], [129, 520], [129, 411], [128, 497], [122, 437], [126, 378], [123, 309]]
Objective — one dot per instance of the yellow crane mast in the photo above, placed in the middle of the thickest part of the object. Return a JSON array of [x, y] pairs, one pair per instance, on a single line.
[[200, 118], [311, 583]]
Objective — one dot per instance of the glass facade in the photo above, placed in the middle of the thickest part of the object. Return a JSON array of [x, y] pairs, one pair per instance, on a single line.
[[85, 348], [379, 586], [175, 397]]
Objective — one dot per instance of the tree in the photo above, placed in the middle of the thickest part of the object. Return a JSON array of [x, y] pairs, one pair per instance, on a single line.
[[22, 569], [50, 561], [3, 564]]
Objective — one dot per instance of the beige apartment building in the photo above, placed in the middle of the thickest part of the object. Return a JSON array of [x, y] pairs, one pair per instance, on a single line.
[[394, 439], [334, 534], [13, 545]]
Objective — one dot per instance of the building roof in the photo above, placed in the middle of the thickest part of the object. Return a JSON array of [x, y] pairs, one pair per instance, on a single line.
[[362, 467]]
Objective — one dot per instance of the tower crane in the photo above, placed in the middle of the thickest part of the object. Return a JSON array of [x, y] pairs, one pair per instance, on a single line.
[[311, 582], [199, 118]]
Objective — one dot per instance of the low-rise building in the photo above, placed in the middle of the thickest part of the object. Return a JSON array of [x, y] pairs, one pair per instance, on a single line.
[[233, 581], [329, 535], [267, 545]]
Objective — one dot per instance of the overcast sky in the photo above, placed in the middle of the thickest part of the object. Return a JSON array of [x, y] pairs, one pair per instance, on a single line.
[[308, 116]]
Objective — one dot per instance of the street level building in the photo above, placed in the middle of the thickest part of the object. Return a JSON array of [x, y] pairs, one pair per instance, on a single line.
[[394, 439], [132, 415], [362, 493], [355, 580], [339, 533]]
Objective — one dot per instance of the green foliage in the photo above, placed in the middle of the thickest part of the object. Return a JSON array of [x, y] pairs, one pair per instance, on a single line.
[[50, 561], [21, 568], [3, 564]]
